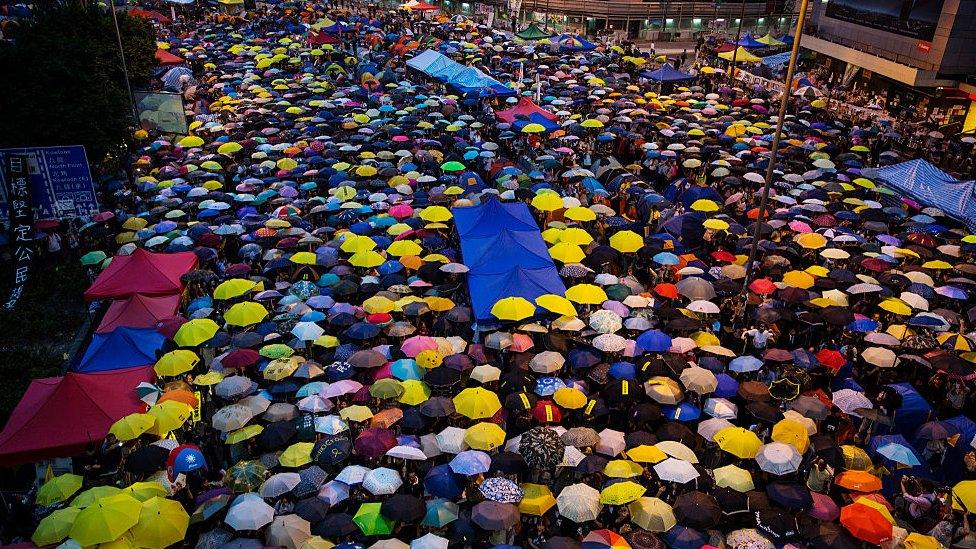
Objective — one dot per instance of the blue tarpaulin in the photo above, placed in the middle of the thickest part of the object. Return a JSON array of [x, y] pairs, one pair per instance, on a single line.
[[777, 59], [467, 80], [503, 247], [573, 42], [931, 186], [535, 118], [667, 73], [121, 348], [748, 41]]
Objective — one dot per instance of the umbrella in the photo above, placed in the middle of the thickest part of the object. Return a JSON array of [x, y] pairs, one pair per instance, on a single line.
[[579, 503]]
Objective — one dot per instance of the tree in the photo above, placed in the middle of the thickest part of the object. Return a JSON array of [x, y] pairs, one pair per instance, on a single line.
[[63, 78]]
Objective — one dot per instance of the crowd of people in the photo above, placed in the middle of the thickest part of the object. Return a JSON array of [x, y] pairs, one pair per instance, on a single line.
[[675, 395]]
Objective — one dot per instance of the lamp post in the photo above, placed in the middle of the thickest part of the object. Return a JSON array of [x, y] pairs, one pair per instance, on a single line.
[[774, 150], [738, 36], [125, 68]]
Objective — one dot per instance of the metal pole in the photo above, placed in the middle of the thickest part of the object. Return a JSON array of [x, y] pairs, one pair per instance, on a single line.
[[774, 149], [125, 68], [738, 35]]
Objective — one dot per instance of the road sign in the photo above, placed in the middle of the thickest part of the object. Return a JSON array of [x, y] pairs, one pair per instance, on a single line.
[[61, 183]]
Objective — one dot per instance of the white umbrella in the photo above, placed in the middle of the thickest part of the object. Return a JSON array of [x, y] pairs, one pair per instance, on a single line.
[[314, 404], [849, 400], [579, 503], [610, 343], [778, 458], [307, 331], [698, 380], [382, 481], [330, 425], [352, 474], [611, 443], [704, 307], [676, 470], [880, 356], [233, 417], [720, 407], [390, 543], [429, 541], [451, 440], [288, 531], [546, 362], [407, 452], [677, 450], [709, 427], [279, 484], [249, 512]]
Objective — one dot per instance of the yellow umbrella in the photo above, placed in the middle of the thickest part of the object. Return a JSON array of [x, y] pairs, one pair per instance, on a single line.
[[477, 403], [92, 495], [579, 213], [792, 432], [144, 491], [414, 392], [622, 468], [195, 332], [591, 123], [303, 258], [190, 141], [705, 205], [895, 305], [439, 304], [162, 522], [244, 433], [355, 413], [512, 308], [296, 455], [738, 441], [176, 362], [575, 235], [626, 241], [55, 527], [586, 294], [132, 426], [537, 499], [378, 304], [435, 214], [212, 377], [556, 304], [547, 202], [798, 279], [245, 314], [355, 244], [921, 541], [229, 148], [401, 248], [621, 493], [652, 514], [366, 171], [280, 368], [533, 128], [705, 339], [170, 415], [570, 398], [366, 259], [566, 252], [232, 288], [856, 458], [937, 264], [316, 542], [484, 436], [811, 241], [58, 489], [105, 520], [646, 453], [715, 224], [735, 478]]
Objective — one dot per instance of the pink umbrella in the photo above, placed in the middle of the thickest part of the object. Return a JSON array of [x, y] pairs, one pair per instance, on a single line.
[[824, 507], [401, 211], [520, 343], [800, 227], [342, 387], [415, 344]]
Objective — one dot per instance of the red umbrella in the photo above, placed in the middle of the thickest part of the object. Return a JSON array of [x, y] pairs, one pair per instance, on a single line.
[[545, 411], [375, 442], [866, 523], [722, 255], [240, 359], [875, 264], [831, 359], [762, 286], [667, 290]]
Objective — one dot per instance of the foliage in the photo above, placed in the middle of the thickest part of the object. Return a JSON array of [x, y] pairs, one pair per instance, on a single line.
[[38, 333], [64, 83]]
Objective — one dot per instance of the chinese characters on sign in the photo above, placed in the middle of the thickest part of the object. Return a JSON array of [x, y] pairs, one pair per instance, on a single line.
[[60, 183], [18, 190]]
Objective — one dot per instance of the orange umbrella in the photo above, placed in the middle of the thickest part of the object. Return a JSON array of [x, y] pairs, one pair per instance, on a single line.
[[180, 395], [866, 523], [859, 481]]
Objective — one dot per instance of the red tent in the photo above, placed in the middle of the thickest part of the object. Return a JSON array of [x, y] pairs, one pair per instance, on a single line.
[[139, 311], [524, 107], [424, 6], [318, 38], [143, 273], [167, 58], [149, 14], [59, 416]]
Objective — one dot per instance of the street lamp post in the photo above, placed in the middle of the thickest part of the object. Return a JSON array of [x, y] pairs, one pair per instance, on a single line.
[[774, 150], [125, 68], [738, 36]]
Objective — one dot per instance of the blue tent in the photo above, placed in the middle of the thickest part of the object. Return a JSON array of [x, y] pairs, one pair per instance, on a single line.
[[667, 73], [121, 348], [535, 118], [931, 186], [503, 247], [748, 41], [914, 411], [776, 60], [467, 80], [573, 42]]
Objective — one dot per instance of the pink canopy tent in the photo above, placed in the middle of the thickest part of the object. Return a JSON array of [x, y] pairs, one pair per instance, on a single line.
[[524, 107], [143, 272], [138, 311], [59, 416]]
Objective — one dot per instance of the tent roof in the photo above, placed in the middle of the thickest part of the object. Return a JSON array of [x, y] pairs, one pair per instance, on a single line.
[[667, 73], [931, 186], [138, 311], [121, 348], [533, 32], [524, 107], [770, 41], [37, 428], [144, 273], [748, 41], [167, 58], [741, 55]]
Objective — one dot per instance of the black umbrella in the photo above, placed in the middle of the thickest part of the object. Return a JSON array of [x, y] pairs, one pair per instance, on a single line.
[[541, 448], [790, 495], [697, 510], [776, 524], [313, 509], [508, 462], [829, 535], [335, 526], [277, 434], [495, 516], [146, 460], [404, 508], [332, 450], [592, 463], [678, 432]]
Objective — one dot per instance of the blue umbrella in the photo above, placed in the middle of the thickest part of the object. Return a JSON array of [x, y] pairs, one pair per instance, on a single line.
[[727, 386], [442, 482], [864, 325], [654, 341], [622, 370], [665, 258], [440, 513], [546, 386], [901, 454], [745, 363], [470, 462], [682, 537], [684, 411]]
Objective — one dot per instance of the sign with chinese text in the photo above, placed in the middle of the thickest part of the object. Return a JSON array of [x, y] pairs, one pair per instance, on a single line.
[[16, 174], [60, 182]]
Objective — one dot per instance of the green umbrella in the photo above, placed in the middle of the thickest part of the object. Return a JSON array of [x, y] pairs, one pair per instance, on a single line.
[[276, 350], [452, 166], [245, 476], [371, 522], [386, 388], [93, 258]]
